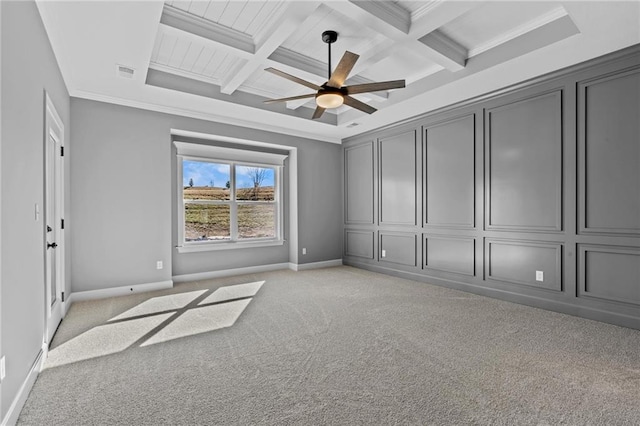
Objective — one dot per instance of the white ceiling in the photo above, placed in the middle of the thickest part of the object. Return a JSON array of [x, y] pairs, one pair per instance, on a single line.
[[206, 59]]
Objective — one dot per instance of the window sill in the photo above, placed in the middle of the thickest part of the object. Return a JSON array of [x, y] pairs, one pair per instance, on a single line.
[[227, 245]]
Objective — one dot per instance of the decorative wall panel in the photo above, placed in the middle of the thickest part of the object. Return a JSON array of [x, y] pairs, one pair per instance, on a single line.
[[450, 254], [521, 262], [449, 173], [609, 145], [359, 179], [524, 164], [358, 243], [398, 248], [398, 183], [609, 273]]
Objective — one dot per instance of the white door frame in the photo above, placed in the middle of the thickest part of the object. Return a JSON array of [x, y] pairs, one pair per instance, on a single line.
[[54, 130]]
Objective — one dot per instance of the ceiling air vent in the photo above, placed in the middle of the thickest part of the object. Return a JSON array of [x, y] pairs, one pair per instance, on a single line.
[[124, 71], [354, 124]]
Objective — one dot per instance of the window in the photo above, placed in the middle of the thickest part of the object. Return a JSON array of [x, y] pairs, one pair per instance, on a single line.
[[228, 197]]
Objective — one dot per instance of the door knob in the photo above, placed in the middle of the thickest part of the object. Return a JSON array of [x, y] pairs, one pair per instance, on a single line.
[[52, 245]]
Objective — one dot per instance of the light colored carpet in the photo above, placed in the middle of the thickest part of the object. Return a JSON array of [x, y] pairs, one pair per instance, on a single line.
[[338, 346]]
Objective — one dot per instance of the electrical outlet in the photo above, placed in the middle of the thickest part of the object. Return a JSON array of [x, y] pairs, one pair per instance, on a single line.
[[3, 370], [539, 276], [304, 250], [159, 264], [384, 253]]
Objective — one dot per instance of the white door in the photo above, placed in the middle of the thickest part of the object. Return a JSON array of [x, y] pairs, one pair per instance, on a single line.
[[54, 230]]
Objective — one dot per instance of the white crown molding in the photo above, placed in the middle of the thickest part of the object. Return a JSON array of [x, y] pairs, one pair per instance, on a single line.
[[249, 123], [391, 13], [532, 25], [447, 47], [424, 10], [193, 24], [183, 73]]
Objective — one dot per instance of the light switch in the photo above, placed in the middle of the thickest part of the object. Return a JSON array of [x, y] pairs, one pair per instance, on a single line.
[[384, 253], [539, 276]]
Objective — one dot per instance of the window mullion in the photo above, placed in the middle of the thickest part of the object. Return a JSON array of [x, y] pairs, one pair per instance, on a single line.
[[233, 220], [181, 204], [278, 203]]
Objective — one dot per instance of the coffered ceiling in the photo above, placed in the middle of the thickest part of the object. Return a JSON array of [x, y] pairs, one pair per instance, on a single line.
[[206, 59]]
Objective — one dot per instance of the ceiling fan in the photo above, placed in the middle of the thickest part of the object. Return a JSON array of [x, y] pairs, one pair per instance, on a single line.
[[332, 94]]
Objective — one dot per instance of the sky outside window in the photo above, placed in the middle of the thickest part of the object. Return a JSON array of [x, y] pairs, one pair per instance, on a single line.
[[217, 175]]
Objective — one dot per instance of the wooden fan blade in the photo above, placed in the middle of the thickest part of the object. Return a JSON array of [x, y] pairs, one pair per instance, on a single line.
[[318, 112], [354, 103], [375, 87], [293, 78], [291, 98], [343, 69]]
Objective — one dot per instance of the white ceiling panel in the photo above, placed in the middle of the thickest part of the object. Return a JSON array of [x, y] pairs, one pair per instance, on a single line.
[[186, 55], [165, 51], [203, 60], [180, 4], [191, 56], [198, 7], [257, 15], [231, 13], [178, 53], [216, 63], [246, 16], [215, 10]]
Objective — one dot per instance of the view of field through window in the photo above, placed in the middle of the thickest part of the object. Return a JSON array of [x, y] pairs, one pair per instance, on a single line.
[[208, 200]]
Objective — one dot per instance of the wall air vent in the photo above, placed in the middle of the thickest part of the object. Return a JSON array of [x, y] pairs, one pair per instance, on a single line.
[[124, 71]]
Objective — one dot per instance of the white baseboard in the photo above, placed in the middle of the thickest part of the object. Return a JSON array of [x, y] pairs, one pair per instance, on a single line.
[[11, 418], [315, 265], [229, 272], [254, 270], [118, 291]]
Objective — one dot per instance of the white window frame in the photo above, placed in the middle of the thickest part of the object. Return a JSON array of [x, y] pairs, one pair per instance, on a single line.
[[233, 157]]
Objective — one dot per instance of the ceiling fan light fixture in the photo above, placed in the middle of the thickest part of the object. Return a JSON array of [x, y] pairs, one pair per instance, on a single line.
[[329, 100]]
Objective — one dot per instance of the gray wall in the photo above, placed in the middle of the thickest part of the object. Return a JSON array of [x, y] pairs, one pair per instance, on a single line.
[[123, 190], [28, 70], [482, 195]]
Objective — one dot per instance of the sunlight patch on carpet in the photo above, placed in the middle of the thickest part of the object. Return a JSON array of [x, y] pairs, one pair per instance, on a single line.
[[200, 320], [103, 340], [160, 304], [158, 319], [232, 292]]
